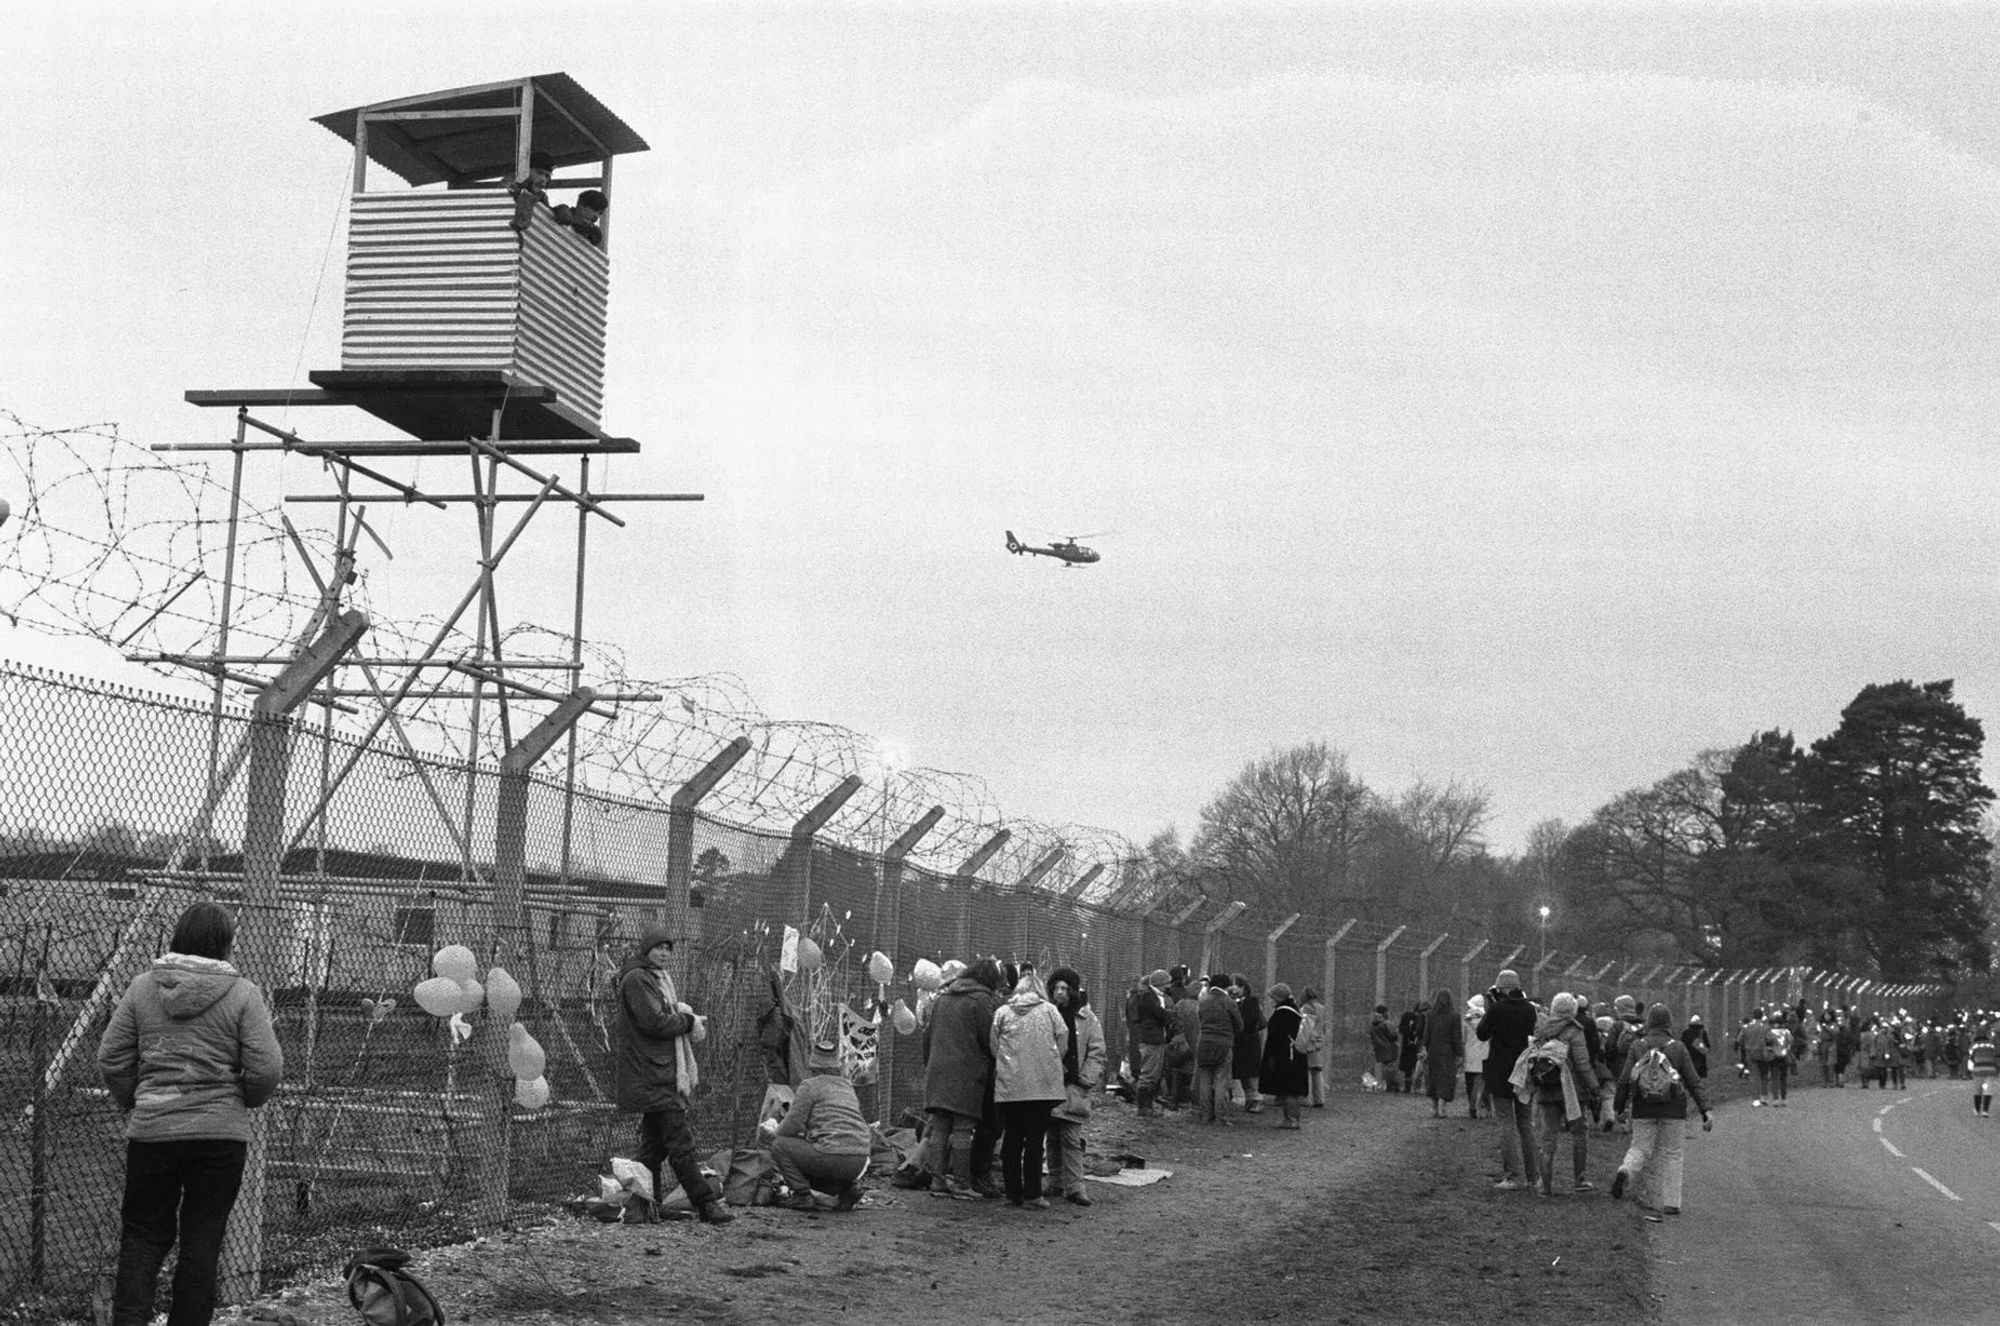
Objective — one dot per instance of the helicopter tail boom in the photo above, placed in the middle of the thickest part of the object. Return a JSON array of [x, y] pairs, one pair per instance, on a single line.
[[1014, 544]]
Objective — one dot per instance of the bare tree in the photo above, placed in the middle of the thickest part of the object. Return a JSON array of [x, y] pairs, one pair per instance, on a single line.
[[1283, 832]]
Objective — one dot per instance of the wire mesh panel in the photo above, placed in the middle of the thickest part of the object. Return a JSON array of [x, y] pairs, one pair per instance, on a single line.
[[348, 867]]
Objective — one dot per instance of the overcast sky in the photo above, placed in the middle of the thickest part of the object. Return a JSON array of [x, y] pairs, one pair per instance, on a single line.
[[1522, 394]]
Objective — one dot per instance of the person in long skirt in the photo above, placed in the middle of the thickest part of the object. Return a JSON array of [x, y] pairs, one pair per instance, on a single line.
[[1283, 1073]]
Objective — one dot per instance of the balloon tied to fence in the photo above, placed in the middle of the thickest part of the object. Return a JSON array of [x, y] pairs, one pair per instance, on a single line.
[[456, 993]]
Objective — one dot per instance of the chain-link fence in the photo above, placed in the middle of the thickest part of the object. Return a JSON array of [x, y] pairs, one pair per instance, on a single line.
[[118, 808]]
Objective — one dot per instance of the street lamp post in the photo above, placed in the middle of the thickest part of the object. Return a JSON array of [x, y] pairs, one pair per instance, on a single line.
[[1543, 912]]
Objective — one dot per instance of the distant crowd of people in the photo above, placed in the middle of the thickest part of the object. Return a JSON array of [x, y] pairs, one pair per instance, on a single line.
[[1781, 1043]]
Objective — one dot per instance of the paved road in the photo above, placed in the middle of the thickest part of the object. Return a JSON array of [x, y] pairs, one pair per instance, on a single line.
[[1846, 1206]]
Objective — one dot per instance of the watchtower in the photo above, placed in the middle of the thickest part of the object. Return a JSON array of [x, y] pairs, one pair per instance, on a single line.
[[471, 296]]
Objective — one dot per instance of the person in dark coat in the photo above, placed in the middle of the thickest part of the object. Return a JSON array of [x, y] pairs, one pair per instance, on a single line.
[[1220, 1021], [1247, 1060], [1283, 1072], [655, 1071], [1444, 1048], [1695, 1038], [1508, 1024], [1410, 1036], [958, 1076]]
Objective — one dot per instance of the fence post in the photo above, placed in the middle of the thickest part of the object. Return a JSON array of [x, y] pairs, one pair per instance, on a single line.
[[1424, 966], [795, 868], [1382, 964], [681, 917], [1465, 965], [968, 876], [1271, 950], [1180, 919], [1089, 877], [1535, 977], [888, 938], [1040, 869], [510, 939], [260, 938], [38, 1182], [1215, 923], [1331, 963]]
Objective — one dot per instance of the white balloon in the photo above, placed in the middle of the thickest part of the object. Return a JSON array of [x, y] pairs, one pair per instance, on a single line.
[[438, 996], [904, 1019], [455, 962], [926, 975], [503, 993], [810, 958], [471, 994], [880, 969], [525, 1056], [532, 1093]]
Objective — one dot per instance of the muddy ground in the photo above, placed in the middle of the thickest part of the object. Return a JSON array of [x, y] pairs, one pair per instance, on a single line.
[[1374, 1212]]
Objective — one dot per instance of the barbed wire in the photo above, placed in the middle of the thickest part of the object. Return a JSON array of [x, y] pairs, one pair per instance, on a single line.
[[111, 542]]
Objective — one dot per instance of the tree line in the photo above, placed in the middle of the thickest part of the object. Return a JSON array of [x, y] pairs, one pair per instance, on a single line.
[[1868, 849]]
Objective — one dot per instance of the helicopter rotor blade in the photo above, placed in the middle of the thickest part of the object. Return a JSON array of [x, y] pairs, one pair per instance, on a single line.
[[1101, 534]]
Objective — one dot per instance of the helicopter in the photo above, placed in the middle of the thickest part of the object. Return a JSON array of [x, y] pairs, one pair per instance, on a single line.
[[1067, 551]]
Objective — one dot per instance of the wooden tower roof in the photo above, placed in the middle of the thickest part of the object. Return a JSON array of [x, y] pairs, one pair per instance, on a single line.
[[441, 137]]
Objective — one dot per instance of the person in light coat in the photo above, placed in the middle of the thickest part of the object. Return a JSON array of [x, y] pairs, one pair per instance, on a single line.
[[1565, 1107], [1475, 1058], [1029, 1041], [1083, 1074], [188, 1054], [1658, 1129]]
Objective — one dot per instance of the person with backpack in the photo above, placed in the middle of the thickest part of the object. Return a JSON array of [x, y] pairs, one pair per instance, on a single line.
[[655, 1074], [1312, 1012], [188, 1054], [1474, 1062], [1565, 1091], [1658, 1083], [1778, 1046], [1507, 1026], [1283, 1072], [1756, 1042]]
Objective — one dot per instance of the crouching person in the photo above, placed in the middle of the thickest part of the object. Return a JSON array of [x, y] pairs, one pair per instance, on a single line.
[[1659, 1080], [822, 1143], [656, 1071]]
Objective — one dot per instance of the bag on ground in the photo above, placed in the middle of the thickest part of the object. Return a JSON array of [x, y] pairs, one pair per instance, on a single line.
[[386, 1294]]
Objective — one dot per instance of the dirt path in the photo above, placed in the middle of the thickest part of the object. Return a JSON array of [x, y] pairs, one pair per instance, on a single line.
[[1366, 1215]]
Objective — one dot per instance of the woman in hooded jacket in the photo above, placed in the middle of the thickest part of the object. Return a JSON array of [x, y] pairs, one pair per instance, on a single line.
[[655, 1072], [188, 1054], [1083, 1073], [1029, 1041], [1283, 1072]]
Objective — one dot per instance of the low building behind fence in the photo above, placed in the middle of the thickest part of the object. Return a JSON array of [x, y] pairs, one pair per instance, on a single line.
[[391, 1127]]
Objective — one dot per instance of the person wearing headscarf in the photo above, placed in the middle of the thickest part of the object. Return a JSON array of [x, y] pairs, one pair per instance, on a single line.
[[1283, 1072], [958, 1077], [189, 1052], [823, 1143], [1658, 1127], [1083, 1074], [1029, 1041], [655, 1073], [1444, 1047]]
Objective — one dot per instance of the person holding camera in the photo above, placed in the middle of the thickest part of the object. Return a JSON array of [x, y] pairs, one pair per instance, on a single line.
[[1506, 1026]]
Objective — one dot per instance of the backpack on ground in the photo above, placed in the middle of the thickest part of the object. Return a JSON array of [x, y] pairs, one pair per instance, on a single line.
[[1654, 1078], [385, 1294]]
